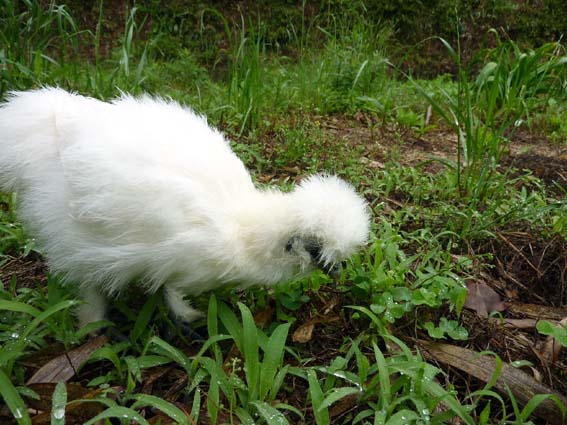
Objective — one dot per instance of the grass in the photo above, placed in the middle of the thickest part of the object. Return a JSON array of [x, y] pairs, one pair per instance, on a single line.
[[282, 109]]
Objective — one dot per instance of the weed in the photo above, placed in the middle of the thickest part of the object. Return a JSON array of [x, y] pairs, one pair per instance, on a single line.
[[37, 42], [424, 226], [484, 113], [558, 332]]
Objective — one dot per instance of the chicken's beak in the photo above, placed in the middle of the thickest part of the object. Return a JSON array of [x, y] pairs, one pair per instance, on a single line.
[[333, 270]]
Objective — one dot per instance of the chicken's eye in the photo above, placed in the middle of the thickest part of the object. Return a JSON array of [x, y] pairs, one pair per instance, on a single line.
[[314, 251], [289, 245]]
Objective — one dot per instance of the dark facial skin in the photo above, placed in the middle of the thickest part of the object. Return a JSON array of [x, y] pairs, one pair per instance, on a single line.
[[313, 247]]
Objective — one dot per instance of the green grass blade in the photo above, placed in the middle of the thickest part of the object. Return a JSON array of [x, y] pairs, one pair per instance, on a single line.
[[285, 406], [118, 412], [174, 412], [336, 395], [321, 414], [384, 377], [251, 355], [273, 356], [231, 323], [244, 416], [11, 350], [359, 73], [196, 406], [145, 316], [17, 306], [536, 400], [213, 325], [170, 351], [13, 400], [217, 376], [403, 417], [58, 403], [47, 313], [213, 400], [107, 353], [271, 415]]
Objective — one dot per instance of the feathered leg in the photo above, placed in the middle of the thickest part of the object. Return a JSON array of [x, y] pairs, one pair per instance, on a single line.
[[93, 309], [180, 308]]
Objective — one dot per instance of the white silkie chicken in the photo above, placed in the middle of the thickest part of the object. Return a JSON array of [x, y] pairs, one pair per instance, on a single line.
[[142, 189]]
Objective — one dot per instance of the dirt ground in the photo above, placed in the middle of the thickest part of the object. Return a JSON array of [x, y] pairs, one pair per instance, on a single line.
[[528, 270]]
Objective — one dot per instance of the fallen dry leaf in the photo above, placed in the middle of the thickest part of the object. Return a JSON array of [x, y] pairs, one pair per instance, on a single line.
[[304, 333], [483, 299], [370, 163], [264, 317], [64, 366]]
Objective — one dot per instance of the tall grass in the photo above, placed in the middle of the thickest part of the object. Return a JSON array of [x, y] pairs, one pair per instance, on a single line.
[[340, 65], [37, 41], [244, 75], [485, 111], [514, 82], [127, 71], [40, 45], [245, 92], [351, 66]]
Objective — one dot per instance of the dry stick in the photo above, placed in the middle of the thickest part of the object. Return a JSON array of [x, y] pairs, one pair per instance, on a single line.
[[536, 311], [501, 236], [517, 282], [482, 367]]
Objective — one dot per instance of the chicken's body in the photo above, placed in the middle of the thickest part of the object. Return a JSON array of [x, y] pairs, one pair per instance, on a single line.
[[143, 189]]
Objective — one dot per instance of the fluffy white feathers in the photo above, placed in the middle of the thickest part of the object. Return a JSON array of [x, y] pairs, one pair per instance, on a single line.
[[144, 190]]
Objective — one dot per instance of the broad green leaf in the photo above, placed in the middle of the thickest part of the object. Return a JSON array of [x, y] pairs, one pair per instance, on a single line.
[[170, 351], [19, 307], [174, 412], [271, 415], [286, 406], [149, 361], [321, 414], [213, 400], [338, 394], [244, 416], [558, 332], [107, 353], [403, 417], [118, 412]]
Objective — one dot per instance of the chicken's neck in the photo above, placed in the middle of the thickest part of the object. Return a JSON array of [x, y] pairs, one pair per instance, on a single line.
[[264, 222]]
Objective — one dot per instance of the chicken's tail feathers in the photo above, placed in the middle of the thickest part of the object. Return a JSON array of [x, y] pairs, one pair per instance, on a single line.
[[29, 134]]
